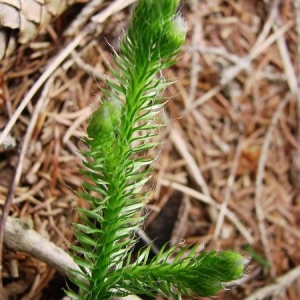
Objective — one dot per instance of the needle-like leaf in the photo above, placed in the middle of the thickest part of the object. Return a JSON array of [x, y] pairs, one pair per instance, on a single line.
[[120, 132]]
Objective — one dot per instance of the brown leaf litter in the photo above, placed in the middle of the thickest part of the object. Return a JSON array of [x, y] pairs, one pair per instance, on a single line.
[[228, 173]]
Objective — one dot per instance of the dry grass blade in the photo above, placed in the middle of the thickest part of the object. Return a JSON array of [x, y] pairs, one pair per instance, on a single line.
[[18, 172], [259, 185], [50, 69], [83, 17], [201, 197], [229, 186], [276, 289], [194, 170], [115, 7], [294, 83]]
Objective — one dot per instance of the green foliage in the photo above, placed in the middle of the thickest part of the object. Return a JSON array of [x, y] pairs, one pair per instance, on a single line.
[[119, 133], [106, 119], [193, 275], [256, 256]]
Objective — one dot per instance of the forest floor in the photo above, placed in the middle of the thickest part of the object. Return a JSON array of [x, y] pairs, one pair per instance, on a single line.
[[228, 173]]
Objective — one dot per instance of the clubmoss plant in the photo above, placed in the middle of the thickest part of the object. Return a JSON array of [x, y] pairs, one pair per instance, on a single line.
[[119, 134]]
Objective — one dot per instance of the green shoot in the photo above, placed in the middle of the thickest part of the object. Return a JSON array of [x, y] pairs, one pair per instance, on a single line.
[[119, 134]]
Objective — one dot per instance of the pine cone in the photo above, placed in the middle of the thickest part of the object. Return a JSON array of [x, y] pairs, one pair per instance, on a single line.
[[22, 20]]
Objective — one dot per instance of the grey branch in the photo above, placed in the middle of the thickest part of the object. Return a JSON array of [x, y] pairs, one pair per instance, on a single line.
[[20, 237]]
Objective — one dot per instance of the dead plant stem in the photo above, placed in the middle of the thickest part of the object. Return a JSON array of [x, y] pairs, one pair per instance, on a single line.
[[18, 171], [259, 185], [228, 190]]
